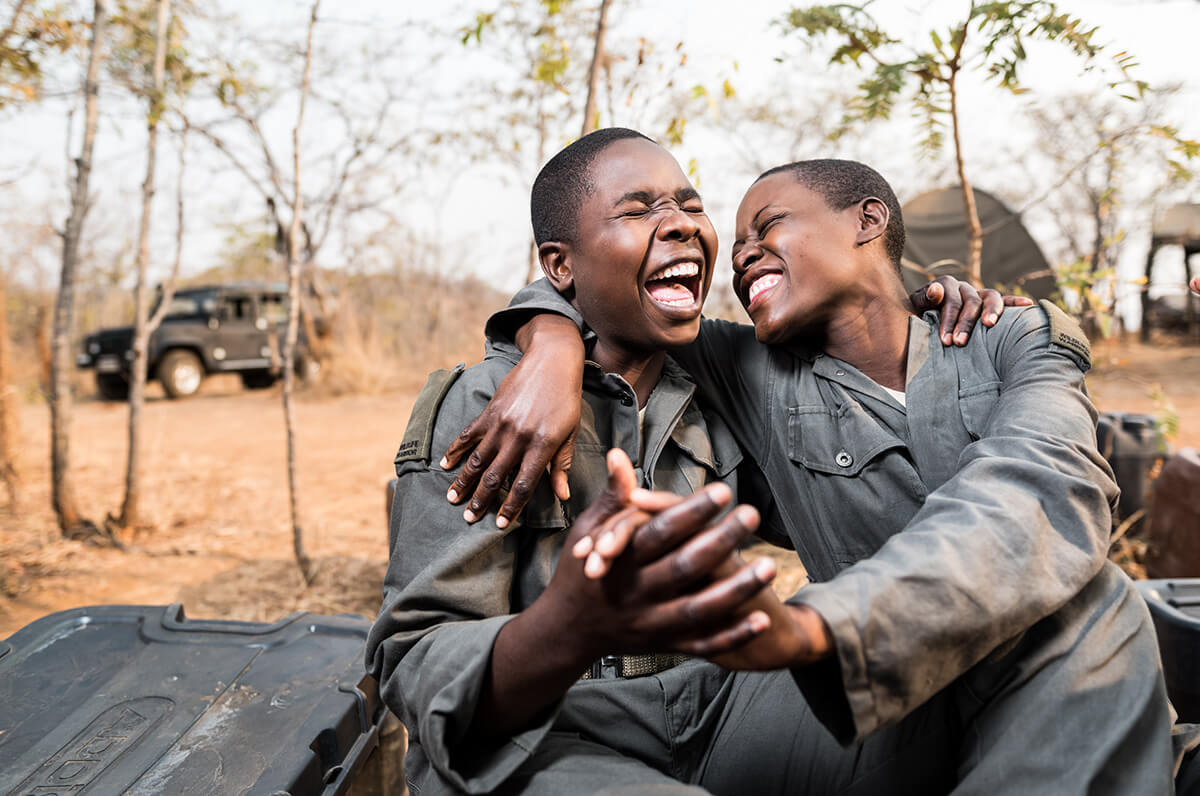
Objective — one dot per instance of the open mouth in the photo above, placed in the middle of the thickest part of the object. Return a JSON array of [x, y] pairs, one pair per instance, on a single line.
[[762, 284], [677, 285]]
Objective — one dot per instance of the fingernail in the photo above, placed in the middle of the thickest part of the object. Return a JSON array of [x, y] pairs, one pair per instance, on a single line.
[[606, 542], [960, 338], [764, 569], [638, 493], [720, 493], [747, 515], [469, 516], [444, 463], [501, 522], [991, 318], [758, 621], [452, 496], [946, 339], [582, 547], [594, 567]]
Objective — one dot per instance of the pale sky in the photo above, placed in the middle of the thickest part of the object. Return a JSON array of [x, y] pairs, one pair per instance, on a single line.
[[478, 213]]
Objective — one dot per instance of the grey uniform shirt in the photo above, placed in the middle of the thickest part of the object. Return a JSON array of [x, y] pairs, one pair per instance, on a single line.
[[936, 533], [450, 586]]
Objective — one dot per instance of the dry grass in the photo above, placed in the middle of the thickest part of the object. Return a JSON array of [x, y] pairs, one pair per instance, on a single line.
[[216, 485]]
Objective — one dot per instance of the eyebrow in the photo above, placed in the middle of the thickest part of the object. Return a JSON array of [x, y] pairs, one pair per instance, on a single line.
[[645, 197], [753, 222], [761, 210]]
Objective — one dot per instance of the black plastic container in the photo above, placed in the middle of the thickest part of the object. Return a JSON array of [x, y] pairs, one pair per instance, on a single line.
[[1133, 446], [137, 699], [1175, 607]]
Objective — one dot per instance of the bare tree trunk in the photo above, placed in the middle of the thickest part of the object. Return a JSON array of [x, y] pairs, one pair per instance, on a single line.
[[534, 261], [974, 228], [589, 107], [43, 318], [8, 409], [62, 488], [131, 513], [293, 326]]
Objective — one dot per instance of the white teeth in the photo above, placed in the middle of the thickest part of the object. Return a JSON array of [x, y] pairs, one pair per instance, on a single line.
[[762, 284], [682, 269]]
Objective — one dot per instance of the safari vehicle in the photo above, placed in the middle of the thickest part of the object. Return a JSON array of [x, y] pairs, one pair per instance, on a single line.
[[229, 328]]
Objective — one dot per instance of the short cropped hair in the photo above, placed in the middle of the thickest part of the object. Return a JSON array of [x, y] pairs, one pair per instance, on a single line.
[[563, 183], [844, 183]]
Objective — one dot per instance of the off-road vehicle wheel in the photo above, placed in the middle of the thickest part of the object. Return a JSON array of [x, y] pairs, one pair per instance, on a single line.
[[181, 373], [112, 386], [257, 379]]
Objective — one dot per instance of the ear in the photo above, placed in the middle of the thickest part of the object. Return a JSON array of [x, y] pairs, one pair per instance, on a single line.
[[873, 218], [555, 257]]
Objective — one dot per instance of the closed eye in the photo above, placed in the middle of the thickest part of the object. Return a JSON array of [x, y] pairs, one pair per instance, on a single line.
[[762, 229]]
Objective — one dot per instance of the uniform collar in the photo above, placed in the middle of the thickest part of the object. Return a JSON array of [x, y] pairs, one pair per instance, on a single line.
[[852, 378]]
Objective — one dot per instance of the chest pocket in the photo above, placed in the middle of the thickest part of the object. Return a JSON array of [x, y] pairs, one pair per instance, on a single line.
[[978, 391], [836, 441], [976, 404], [708, 449], [851, 506]]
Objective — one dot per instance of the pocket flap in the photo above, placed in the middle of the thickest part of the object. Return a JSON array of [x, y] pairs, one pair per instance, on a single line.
[[705, 442], [836, 441]]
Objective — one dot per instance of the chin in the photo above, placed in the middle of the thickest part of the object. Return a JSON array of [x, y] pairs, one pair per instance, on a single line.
[[768, 330], [678, 336]]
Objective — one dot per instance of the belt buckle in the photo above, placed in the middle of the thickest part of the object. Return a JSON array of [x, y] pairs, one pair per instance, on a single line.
[[610, 666]]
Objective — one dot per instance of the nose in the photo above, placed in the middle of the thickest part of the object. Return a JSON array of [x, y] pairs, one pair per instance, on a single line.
[[678, 225], [745, 257]]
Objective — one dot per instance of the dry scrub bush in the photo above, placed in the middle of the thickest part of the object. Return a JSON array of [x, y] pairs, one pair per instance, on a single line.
[[390, 330]]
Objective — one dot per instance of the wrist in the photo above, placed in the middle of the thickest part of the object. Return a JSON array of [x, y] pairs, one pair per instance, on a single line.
[[561, 632], [815, 642]]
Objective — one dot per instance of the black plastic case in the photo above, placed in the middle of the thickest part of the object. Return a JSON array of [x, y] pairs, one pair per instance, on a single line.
[[138, 699]]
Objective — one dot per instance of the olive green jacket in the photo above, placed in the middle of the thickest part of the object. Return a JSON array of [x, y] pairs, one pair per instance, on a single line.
[[451, 586]]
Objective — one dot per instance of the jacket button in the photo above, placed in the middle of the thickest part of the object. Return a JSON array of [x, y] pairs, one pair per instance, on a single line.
[[843, 459], [626, 400], [840, 372]]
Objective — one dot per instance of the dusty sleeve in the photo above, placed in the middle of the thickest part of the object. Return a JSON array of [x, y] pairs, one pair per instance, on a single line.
[[446, 597], [534, 298], [1020, 529]]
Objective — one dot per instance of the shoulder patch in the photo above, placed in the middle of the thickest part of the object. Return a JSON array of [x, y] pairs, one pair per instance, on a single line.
[[1066, 337], [418, 436]]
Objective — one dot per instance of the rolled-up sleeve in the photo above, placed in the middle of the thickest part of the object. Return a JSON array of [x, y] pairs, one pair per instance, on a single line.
[[1015, 534], [446, 597]]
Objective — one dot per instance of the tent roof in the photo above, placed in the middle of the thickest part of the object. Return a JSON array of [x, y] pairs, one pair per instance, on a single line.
[[1179, 224], [936, 230]]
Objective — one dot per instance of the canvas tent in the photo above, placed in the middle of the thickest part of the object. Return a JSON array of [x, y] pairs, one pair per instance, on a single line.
[[937, 235], [1178, 226]]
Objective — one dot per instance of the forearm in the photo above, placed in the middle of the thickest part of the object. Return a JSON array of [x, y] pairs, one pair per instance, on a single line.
[[534, 661], [551, 331]]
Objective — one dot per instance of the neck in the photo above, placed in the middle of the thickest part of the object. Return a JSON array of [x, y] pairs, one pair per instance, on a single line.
[[640, 369], [872, 335]]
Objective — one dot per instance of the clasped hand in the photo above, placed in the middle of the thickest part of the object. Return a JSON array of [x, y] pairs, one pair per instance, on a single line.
[[650, 571]]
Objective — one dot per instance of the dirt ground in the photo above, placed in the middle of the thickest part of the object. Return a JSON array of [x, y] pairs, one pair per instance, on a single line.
[[217, 496]]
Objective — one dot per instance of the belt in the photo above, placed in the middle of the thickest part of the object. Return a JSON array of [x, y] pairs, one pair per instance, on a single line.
[[627, 666]]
